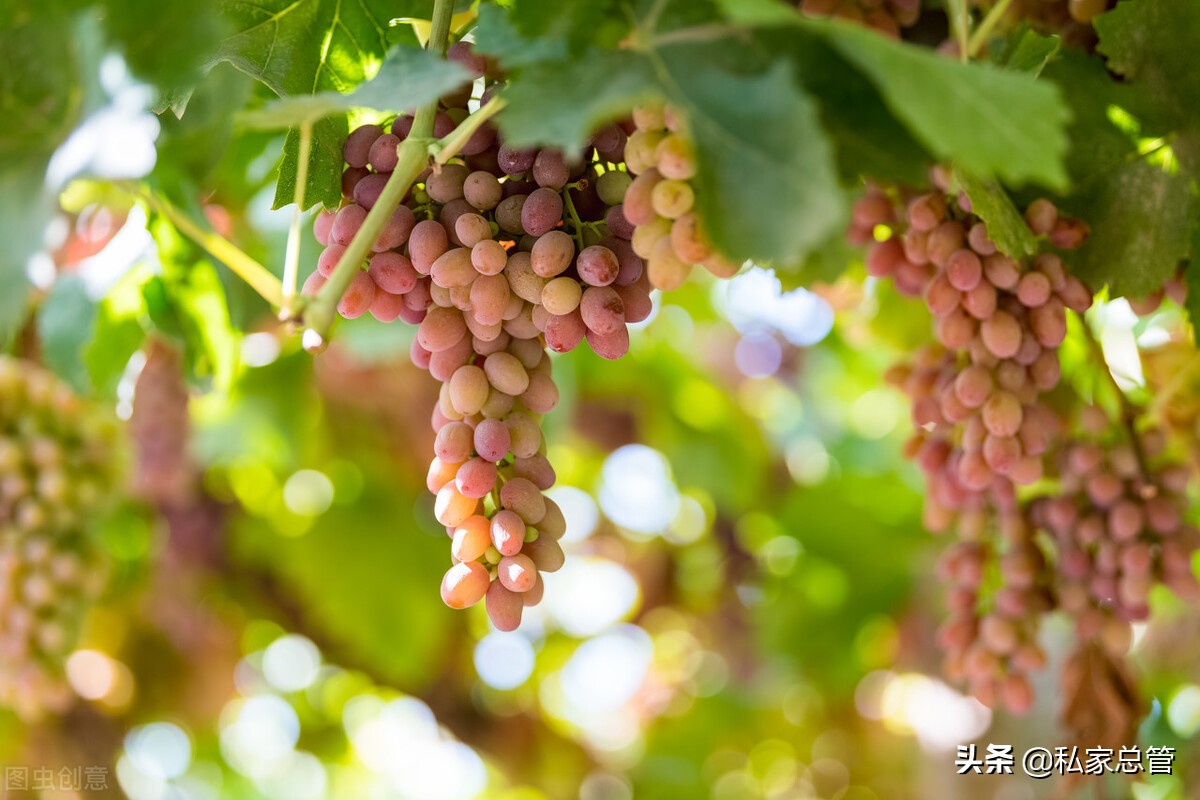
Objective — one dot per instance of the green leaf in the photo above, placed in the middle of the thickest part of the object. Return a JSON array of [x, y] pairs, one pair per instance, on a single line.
[[39, 96], [410, 77], [25, 208], [1141, 228], [64, 324], [143, 28], [869, 141], [1099, 149], [576, 24], [766, 184], [757, 12], [1026, 50], [117, 333], [1153, 44], [496, 36], [560, 105], [298, 47], [188, 301], [1192, 277], [194, 144], [983, 119], [1006, 226]]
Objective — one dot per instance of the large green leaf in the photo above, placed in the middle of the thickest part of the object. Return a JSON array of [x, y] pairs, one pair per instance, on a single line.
[[298, 47], [1142, 221], [142, 29], [766, 183], [868, 139], [1153, 44], [983, 119], [65, 321], [560, 104], [410, 77], [497, 36]]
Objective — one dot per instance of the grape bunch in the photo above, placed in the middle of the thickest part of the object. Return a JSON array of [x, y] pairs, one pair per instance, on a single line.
[[999, 321], [982, 429], [56, 467], [158, 426], [1117, 523], [496, 256], [885, 16], [990, 638], [660, 202]]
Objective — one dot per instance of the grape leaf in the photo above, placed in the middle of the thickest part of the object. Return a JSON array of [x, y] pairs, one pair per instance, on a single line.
[[576, 24], [560, 104], [38, 95], [1141, 228], [409, 78], [762, 158], [298, 47], [141, 27], [117, 333], [188, 301], [1099, 149], [869, 141], [1026, 50], [1006, 226], [1153, 44], [496, 36], [983, 119], [64, 325], [1192, 277]]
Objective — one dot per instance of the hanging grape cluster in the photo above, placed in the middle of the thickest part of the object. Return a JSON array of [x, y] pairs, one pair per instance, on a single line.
[[1118, 527], [660, 202], [999, 321], [56, 468], [495, 257], [982, 429]]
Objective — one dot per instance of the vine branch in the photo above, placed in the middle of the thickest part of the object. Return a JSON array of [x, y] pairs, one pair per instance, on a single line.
[[260, 279]]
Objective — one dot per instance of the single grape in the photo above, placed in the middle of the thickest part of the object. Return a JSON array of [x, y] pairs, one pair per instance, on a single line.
[[358, 297], [476, 478], [507, 532], [542, 210], [610, 346], [346, 224], [357, 148], [504, 607], [427, 242], [465, 584]]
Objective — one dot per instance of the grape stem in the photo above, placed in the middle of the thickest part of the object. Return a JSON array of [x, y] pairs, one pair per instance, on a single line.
[[576, 222], [450, 144], [1127, 411], [260, 279], [291, 259], [960, 19], [980, 35], [413, 155]]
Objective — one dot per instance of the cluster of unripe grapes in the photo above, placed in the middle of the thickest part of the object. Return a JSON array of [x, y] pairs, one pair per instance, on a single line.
[[158, 427], [56, 468], [1118, 527], [496, 256]]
